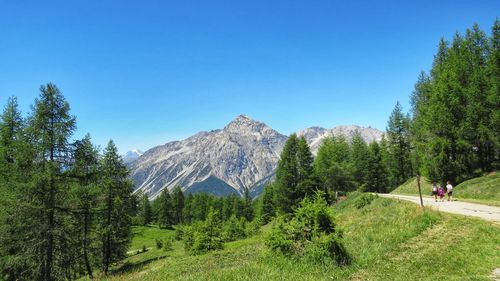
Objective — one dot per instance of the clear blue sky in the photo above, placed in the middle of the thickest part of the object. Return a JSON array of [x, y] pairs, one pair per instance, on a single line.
[[147, 72]]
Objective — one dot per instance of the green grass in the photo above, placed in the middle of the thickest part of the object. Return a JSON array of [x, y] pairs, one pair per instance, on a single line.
[[147, 235], [388, 239], [410, 187], [481, 190]]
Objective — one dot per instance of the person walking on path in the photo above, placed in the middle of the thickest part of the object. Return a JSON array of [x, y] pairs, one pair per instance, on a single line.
[[441, 193], [435, 191], [449, 190]]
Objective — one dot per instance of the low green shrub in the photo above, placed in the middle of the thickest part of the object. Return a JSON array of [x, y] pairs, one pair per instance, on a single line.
[[364, 200], [326, 249], [168, 244], [253, 227], [310, 233], [179, 232], [234, 229], [159, 243], [205, 236]]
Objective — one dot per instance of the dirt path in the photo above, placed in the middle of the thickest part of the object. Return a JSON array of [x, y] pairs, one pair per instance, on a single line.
[[485, 212]]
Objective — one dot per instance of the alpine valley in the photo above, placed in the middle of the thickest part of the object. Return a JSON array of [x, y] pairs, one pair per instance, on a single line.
[[244, 154]]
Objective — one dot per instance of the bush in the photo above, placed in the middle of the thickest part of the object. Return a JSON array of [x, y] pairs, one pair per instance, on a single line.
[[201, 237], [310, 233], [137, 220], [168, 244], [253, 227], [159, 244], [364, 199], [326, 249], [179, 232], [234, 229]]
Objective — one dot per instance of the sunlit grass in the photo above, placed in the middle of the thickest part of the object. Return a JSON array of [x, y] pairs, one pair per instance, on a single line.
[[388, 239]]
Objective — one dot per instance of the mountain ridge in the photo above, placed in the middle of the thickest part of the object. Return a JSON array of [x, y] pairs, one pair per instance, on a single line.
[[243, 154]]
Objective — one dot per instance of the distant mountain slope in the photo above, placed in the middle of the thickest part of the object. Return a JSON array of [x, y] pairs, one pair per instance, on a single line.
[[241, 154], [244, 154], [316, 135], [132, 155]]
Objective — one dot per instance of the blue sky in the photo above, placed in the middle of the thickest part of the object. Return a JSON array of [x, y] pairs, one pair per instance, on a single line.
[[147, 72]]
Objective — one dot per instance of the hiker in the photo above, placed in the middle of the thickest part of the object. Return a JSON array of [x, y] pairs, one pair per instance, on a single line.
[[435, 191], [449, 190], [441, 193]]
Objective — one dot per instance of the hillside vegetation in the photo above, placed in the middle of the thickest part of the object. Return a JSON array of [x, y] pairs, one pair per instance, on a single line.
[[485, 189], [388, 240]]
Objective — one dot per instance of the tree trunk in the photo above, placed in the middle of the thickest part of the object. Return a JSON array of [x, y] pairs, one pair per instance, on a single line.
[[85, 244]]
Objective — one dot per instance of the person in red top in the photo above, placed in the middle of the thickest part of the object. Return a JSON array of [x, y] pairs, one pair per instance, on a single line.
[[441, 193]]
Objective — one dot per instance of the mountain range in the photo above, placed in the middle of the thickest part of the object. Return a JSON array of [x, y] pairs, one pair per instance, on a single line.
[[244, 154]]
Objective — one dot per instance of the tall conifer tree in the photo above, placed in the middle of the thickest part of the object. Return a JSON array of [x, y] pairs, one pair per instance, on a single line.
[[115, 229]]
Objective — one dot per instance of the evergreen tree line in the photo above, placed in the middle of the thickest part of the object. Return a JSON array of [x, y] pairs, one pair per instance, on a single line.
[[452, 132], [174, 208], [455, 114], [339, 166], [64, 206]]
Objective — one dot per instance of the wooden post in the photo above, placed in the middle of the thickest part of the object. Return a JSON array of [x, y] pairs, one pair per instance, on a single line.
[[420, 190]]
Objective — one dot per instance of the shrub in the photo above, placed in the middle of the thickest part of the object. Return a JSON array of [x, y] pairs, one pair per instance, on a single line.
[[364, 200], [279, 239], [205, 236], [179, 233], [234, 229], [326, 249], [137, 220], [168, 244], [310, 233], [159, 243], [253, 227]]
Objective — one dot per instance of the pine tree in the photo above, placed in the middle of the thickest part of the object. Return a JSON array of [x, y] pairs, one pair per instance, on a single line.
[[115, 229], [418, 135], [359, 155], [376, 173], [247, 205], [287, 177], [15, 264], [187, 212], [307, 184], [493, 99], [398, 132], [267, 209], [84, 198], [166, 212], [146, 211], [178, 202], [51, 126], [333, 165], [11, 127]]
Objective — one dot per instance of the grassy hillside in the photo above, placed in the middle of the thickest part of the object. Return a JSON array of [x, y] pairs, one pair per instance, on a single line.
[[485, 189], [388, 239], [410, 187]]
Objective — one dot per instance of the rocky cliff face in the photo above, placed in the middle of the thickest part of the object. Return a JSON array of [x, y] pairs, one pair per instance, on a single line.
[[315, 135], [243, 155], [240, 155]]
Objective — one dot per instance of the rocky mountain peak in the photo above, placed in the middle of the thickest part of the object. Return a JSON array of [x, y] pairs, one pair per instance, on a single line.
[[243, 155], [244, 122]]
